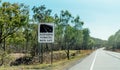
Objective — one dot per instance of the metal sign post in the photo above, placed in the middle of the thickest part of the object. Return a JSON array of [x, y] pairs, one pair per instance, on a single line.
[[46, 35]]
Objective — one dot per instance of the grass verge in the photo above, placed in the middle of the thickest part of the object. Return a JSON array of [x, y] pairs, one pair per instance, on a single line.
[[57, 65]]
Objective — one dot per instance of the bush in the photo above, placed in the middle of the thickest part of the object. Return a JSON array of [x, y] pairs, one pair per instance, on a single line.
[[5, 59], [22, 60]]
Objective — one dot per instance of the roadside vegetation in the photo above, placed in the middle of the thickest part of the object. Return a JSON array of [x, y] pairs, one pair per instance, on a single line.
[[19, 36], [60, 64], [114, 42]]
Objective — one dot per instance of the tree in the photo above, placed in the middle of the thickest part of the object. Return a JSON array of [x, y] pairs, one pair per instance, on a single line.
[[86, 38], [34, 39], [65, 18], [77, 23], [114, 41], [12, 17], [111, 42], [58, 32], [78, 27], [117, 40], [42, 15], [16, 42], [27, 34], [91, 44]]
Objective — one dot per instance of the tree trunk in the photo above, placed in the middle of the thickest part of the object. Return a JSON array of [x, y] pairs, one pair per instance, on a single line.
[[68, 57], [68, 52], [4, 48]]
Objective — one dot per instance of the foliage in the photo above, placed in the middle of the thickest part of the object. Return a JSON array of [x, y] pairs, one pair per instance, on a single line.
[[19, 34], [86, 38], [41, 14], [5, 59], [12, 17], [99, 43], [114, 41]]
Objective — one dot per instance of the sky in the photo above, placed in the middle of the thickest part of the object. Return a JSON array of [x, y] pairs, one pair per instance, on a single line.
[[102, 17]]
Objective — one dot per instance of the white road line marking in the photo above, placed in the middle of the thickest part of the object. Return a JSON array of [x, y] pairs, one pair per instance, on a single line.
[[91, 68]]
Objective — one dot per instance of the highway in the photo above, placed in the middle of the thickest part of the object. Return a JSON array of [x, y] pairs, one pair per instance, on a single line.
[[99, 60]]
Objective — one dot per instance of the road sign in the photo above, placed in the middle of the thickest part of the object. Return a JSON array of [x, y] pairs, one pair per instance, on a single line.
[[46, 33]]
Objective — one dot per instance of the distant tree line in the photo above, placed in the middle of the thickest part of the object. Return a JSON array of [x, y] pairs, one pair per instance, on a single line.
[[114, 41]]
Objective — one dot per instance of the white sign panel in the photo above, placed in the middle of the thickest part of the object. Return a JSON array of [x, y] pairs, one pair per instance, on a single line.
[[46, 33]]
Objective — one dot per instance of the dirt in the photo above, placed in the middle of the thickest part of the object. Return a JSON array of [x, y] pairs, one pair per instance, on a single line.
[[118, 50], [17, 55]]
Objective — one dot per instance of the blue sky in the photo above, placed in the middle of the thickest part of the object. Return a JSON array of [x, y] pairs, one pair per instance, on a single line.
[[102, 17]]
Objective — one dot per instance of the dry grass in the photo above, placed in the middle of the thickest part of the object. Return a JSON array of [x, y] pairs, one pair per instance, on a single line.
[[57, 65], [17, 55], [65, 64]]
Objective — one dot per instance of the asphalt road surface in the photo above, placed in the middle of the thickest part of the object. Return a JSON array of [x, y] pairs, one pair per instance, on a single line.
[[99, 60]]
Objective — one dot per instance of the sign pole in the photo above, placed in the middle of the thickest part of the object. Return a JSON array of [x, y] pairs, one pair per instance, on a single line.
[[46, 35], [39, 50], [52, 45], [42, 52]]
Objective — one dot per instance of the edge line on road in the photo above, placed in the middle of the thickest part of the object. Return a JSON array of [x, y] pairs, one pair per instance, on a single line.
[[113, 55], [91, 68]]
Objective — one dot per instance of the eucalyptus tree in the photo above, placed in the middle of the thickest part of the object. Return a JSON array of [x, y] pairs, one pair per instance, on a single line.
[[86, 38], [78, 27], [12, 17], [33, 40], [117, 39], [42, 15], [91, 44], [28, 29], [58, 32], [70, 37], [114, 40], [16, 42], [65, 19]]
